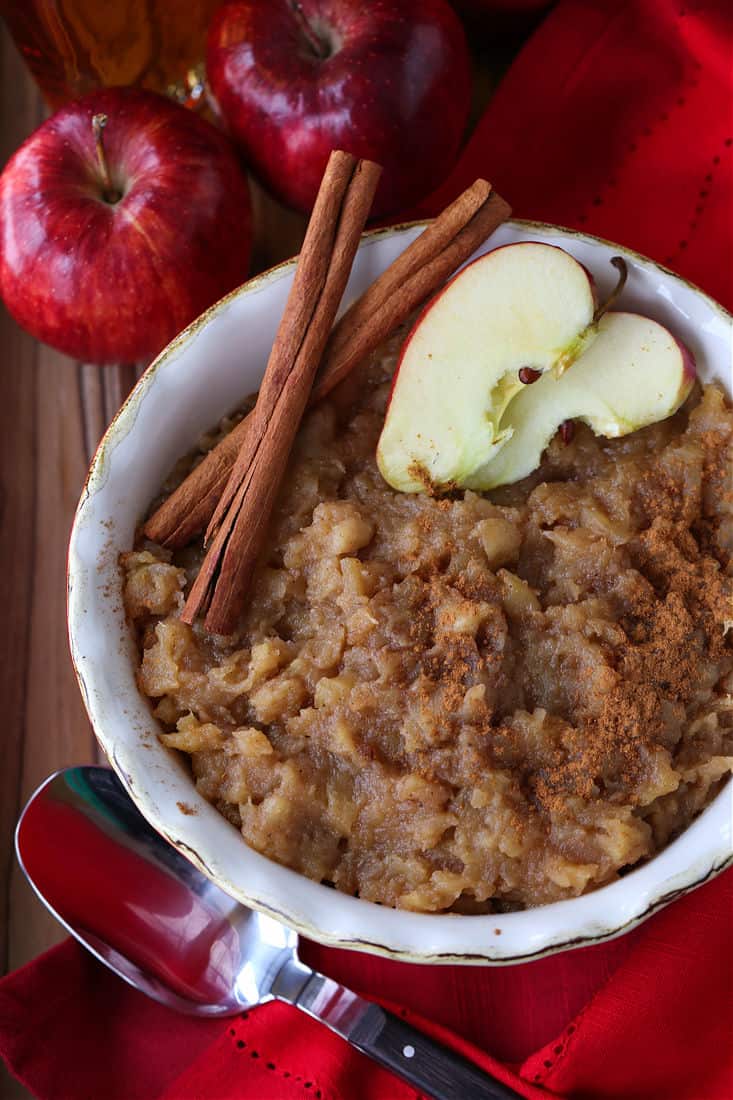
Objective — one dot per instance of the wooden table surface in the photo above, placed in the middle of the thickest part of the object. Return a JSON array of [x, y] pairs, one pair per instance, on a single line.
[[53, 412]]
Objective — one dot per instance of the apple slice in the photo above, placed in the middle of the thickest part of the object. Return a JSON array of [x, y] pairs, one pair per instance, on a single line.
[[633, 374], [527, 305]]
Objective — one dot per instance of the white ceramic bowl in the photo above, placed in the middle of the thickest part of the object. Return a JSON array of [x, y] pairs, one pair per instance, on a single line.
[[203, 374]]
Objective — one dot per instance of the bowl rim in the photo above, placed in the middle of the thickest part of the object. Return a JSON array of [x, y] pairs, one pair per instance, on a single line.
[[656, 897]]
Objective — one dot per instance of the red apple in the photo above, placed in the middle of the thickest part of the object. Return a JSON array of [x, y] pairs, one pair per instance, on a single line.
[[389, 80], [107, 259]]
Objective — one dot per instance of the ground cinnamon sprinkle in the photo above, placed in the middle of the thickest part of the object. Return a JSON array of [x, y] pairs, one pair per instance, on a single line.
[[673, 637]]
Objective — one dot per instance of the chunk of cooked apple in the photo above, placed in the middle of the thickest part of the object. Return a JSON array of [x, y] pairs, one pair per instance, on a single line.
[[523, 306], [475, 401]]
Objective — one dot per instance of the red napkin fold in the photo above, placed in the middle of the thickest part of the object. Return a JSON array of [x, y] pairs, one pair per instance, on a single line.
[[658, 1026], [614, 119], [617, 119]]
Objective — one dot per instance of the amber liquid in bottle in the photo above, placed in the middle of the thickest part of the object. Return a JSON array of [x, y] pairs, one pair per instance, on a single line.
[[74, 46]]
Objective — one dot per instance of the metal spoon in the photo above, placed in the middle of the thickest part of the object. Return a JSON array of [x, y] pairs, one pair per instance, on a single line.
[[149, 915]]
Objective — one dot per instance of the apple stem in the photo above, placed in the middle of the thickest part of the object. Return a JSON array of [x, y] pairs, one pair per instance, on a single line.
[[98, 124], [319, 47], [620, 264]]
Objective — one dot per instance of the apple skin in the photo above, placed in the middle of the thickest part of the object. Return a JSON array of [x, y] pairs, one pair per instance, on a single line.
[[396, 89], [108, 281], [436, 297], [438, 439], [690, 368], [461, 414]]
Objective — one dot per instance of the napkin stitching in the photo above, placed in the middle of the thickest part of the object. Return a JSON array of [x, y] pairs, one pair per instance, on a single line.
[[310, 1085], [632, 146], [560, 1047], [702, 197]]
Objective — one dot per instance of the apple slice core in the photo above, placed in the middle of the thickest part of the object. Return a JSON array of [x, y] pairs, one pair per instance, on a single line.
[[634, 373], [523, 305]]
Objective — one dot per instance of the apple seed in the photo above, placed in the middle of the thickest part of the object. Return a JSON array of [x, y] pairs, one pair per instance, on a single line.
[[567, 431]]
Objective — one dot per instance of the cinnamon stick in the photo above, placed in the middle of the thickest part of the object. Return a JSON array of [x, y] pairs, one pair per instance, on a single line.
[[416, 274], [191, 505], [403, 287], [423, 250], [239, 524]]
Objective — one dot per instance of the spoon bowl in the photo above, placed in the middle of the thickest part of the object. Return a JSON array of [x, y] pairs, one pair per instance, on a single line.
[[153, 918]]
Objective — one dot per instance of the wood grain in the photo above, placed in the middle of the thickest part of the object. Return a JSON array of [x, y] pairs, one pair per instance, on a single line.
[[52, 416]]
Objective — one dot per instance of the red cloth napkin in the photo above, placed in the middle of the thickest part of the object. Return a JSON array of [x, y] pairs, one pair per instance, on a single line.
[[615, 119], [658, 1026]]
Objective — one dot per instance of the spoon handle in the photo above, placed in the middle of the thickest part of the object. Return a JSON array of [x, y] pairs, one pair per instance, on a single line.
[[430, 1067]]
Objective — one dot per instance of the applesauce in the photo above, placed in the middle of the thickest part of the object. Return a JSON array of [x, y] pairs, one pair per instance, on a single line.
[[468, 704]]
